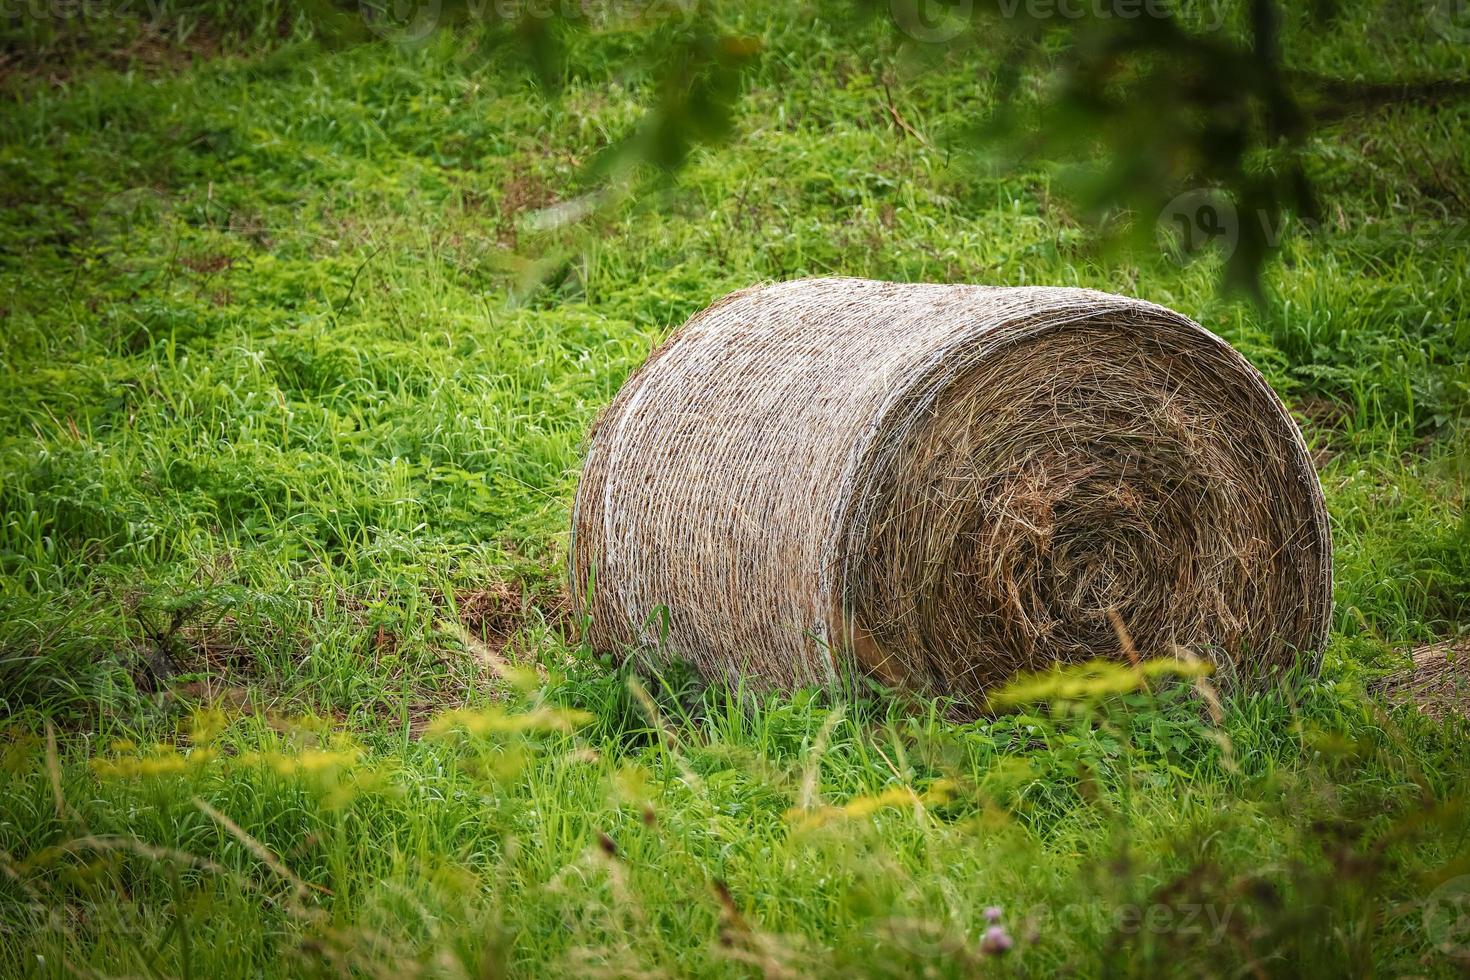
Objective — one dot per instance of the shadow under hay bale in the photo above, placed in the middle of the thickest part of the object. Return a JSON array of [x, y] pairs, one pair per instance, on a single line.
[[943, 485]]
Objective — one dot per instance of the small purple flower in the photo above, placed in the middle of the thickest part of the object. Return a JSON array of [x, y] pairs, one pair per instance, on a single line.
[[992, 913], [996, 941]]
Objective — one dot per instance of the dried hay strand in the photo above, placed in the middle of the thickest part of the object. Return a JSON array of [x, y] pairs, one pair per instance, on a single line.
[[1437, 683], [942, 485]]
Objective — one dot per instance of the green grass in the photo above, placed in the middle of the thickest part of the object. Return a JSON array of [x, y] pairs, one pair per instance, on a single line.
[[292, 395]]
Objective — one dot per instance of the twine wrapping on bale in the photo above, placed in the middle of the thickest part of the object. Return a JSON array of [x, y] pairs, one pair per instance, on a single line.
[[942, 485]]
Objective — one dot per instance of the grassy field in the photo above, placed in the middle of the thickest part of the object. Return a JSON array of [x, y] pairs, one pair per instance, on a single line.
[[298, 358]]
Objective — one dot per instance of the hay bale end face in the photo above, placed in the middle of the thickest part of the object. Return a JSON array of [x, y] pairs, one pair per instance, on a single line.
[[943, 485]]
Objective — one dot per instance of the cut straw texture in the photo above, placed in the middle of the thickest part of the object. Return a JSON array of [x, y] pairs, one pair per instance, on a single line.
[[938, 486]]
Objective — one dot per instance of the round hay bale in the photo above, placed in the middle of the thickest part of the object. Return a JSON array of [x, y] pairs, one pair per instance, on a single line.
[[942, 485]]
